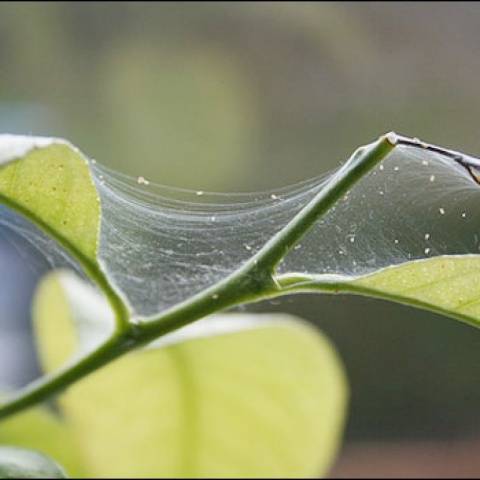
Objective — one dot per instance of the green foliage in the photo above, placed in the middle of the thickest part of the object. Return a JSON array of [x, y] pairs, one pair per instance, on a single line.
[[264, 399], [448, 285], [257, 397], [445, 284], [52, 185]]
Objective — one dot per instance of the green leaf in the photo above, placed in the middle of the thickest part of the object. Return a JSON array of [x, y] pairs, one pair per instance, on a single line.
[[49, 181], [40, 430], [446, 284], [21, 463], [252, 396]]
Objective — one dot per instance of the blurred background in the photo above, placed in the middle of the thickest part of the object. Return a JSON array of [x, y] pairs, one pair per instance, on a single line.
[[249, 96]]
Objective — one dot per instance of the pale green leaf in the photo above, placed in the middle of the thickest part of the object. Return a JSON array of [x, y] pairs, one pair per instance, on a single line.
[[50, 182], [447, 284], [263, 396], [20, 463]]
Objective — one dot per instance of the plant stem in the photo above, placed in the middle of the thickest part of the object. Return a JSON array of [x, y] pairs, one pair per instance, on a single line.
[[256, 277], [253, 281], [52, 384], [359, 164]]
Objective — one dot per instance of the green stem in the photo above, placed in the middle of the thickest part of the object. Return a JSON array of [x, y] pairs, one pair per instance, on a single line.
[[256, 277], [359, 164], [39, 391], [253, 281]]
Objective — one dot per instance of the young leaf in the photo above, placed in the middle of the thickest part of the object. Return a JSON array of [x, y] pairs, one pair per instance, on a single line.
[[250, 396], [448, 285], [445, 284], [20, 463], [49, 181]]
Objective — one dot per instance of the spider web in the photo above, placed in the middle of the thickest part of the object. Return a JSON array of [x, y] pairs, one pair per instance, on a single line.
[[160, 246]]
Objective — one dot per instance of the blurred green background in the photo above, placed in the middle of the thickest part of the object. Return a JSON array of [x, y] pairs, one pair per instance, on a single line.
[[247, 96]]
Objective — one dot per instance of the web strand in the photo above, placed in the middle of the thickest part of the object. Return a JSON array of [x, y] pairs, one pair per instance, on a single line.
[[162, 245]]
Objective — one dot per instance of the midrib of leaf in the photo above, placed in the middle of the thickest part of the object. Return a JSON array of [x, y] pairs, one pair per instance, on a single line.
[[438, 295], [189, 436]]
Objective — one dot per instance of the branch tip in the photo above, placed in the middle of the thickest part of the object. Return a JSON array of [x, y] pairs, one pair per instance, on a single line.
[[391, 138]]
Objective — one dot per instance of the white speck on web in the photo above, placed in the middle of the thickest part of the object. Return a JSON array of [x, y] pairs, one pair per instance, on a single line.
[[142, 181]]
